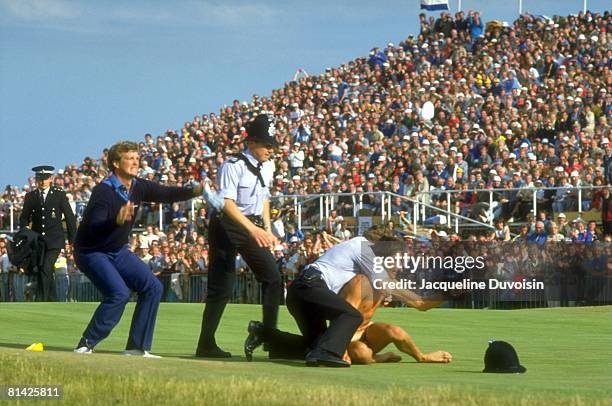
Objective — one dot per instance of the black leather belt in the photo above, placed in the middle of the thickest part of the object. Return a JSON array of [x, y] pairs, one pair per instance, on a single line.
[[257, 220], [309, 274]]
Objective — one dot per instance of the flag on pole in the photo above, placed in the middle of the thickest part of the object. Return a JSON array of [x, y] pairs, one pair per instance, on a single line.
[[433, 5]]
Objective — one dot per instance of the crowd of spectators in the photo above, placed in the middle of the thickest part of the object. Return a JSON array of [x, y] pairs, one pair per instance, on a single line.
[[523, 105]]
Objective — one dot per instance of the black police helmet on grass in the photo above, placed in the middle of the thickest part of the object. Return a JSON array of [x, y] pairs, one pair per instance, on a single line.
[[501, 357]]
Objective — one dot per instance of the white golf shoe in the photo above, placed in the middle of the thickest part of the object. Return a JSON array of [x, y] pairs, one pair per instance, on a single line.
[[140, 353]]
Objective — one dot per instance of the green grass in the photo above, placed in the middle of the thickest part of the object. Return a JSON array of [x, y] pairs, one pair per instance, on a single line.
[[568, 354]]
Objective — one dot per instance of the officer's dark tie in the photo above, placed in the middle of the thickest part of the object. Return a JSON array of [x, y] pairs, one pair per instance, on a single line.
[[259, 166]]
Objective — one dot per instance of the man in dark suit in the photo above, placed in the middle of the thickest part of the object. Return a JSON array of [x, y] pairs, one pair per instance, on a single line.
[[44, 208]]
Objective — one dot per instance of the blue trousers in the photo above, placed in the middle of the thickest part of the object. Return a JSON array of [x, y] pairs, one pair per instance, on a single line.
[[115, 274]]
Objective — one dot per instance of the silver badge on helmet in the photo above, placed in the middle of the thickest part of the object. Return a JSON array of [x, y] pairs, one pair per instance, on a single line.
[[271, 126]]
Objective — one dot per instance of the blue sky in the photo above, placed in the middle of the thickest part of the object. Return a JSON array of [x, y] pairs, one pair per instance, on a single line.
[[76, 76]]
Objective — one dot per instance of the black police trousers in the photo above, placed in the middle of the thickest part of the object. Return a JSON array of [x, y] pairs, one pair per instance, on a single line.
[[312, 303], [226, 238], [45, 278]]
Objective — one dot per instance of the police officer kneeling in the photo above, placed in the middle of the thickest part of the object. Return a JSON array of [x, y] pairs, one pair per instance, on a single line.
[[243, 226]]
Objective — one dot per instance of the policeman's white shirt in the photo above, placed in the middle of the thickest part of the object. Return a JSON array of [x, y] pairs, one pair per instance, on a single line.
[[45, 193], [343, 261], [238, 183]]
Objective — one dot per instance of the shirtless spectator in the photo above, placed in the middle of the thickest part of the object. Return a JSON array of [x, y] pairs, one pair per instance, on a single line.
[[373, 337]]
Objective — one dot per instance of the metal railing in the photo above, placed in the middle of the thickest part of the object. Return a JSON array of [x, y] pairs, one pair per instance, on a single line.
[[381, 207], [420, 207], [312, 208], [192, 288], [533, 191], [591, 291], [193, 204], [76, 287]]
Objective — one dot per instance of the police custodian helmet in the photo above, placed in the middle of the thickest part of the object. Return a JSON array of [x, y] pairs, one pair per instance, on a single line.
[[262, 130], [501, 357]]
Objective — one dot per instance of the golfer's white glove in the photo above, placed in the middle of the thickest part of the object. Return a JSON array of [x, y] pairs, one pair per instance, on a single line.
[[212, 198]]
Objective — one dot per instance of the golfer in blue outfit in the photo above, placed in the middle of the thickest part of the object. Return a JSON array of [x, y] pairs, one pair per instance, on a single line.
[[101, 251]]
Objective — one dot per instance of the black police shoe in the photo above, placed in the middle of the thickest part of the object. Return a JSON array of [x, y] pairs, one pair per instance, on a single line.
[[254, 339], [214, 352], [318, 357], [501, 357]]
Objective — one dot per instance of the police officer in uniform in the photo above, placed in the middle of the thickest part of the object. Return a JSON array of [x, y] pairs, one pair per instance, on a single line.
[[242, 226], [44, 207]]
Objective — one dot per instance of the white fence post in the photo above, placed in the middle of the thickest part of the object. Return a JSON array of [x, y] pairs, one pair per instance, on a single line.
[[12, 217], [490, 216], [321, 209], [415, 214], [299, 215], [423, 208], [161, 217], [448, 208]]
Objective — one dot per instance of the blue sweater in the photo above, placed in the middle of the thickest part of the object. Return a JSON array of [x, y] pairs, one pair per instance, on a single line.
[[99, 230]]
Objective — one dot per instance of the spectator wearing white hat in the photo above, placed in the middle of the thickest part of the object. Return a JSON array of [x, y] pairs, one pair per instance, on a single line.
[[143, 251], [438, 172], [296, 158], [501, 202], [575, 183], [461, 168]]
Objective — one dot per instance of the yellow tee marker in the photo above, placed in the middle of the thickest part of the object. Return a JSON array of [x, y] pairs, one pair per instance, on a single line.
[[36, 347]]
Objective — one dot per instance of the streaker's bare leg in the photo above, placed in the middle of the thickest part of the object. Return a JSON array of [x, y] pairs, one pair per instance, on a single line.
[[387, 357], [360, 353], [379, 335]]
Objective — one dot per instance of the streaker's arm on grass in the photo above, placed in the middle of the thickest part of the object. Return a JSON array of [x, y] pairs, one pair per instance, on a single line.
[[414, 300]]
